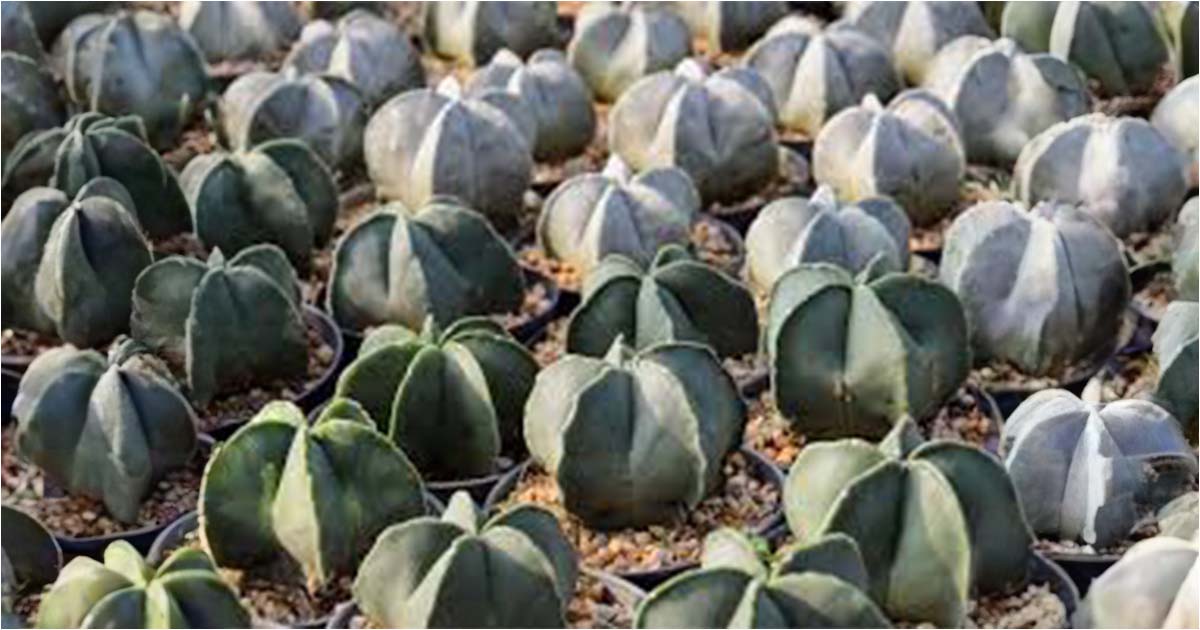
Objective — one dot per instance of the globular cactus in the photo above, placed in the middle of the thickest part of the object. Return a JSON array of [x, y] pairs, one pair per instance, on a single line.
[[819, 584], [793, 230], [1153, 585], [185, 591], [1120, 170], [472, 32], [19, 32], [1177, 118], [315, 494], [1182, 21], [1043, 288], [816, 73], [325, 111], [911, 151], [29, 97], [1176, 348], [108, 429], [675, 298], [719, 128], [1089, 472], [470, 381], [614, 46], [68, 266], [934, 521], [247, 29], [593, 215], [1002, 96], [1186, 258], [443, 262], [362, 48], [850, 357], [31, 559], [226, 322], [914, 32], [728, 26], [1180, 517], [279, 192], [138, 63], [603, 429]]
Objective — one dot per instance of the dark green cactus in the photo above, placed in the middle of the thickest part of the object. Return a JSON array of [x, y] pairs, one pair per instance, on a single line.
[[185, 591], [632, 439], [239, 30], [279, 192], [227, 322], [1176, 346], [933, 520], [1182, 21], [1153, 585], [515, 570], [444, 261], [676, 299], [30, 99], [68, 267], [472, 32], [19, 32], [30, 559], [105, 429], [849, 357], [469, 381], [612, 45]]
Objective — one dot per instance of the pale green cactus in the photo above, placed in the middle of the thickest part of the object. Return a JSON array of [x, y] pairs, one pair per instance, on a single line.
[[1181, 517], [1186, 258], [472, 32], [30, 99], [229, 31], [728, 26], [615, 45], [1153, 585], [914, 32], [1177, 118], [30, 559], [1176, 348]]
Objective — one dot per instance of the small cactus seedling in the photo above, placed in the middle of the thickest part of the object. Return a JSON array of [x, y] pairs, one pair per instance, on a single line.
[[614, 46], [1176, 346], [231, 31], [914, 32], [728, 26], [473, 32]]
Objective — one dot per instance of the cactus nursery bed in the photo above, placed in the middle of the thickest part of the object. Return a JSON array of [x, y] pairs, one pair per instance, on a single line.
[[599, 315]]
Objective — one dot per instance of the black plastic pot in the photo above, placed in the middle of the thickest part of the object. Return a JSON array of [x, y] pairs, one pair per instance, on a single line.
[[1082, 569], [1068, 578], [1008, 399]]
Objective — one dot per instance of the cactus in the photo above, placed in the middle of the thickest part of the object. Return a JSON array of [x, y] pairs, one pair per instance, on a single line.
[[676, 298], [280, 192], [68, 266], [1179, 517], [230, 31], [31, 559], [19, 32], [815, 585], [1002, 96], [914, 32], [104, 429], [719, 128], [472, 32], [1044, 289], [728, 26], [1152, 586], [325, 111], [226, 322], [593, 215], [185, 591], [850, 357], [614, 46], [444, 262], [1176, 349], [1105, 166], [470, 381], [30, 99], [1091, 472], [1181, 21], [362, 48], [516, 570], [1177, 118], [814, 74], [1186, 258], [794, 230], [138, 63], [611, 431], [933, 520]]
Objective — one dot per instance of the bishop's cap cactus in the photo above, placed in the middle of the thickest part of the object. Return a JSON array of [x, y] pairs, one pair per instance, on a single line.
[[232, 31], [614, 46]]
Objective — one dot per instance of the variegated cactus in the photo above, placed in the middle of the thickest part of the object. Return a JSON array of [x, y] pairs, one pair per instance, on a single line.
[[614, 46], [247, 29], [108, 429], [420, 573], [601, 427], [728, 26], [1176, 348], [1177, 118], [934, 521], [1186, 258], [1090, 473], [279, 192], [68, 266], [1043, 289], [30, 560], [914, 32], [793, 230], [185, 591], [197, 314], [851, 357], [315, 494], [472, 32], [1153, 585], [29, 97]]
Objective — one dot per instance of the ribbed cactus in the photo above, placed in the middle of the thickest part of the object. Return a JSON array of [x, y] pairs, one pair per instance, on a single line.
[[30, 99], [633, 438], [1177, 118], [675, 298], [850, 357], [227, 31], [1182, 21], [1186, 258], [185, 591], [362, 48], [109, 429], [1180, 517], [728, 26], [1176, 348], [19, 32], [1120, 170], [137, 63], [318, 494], [1002, 96], [469, 381], [279, 192], [815, 585], [443, 262], [472, 32], [914, 32], [1153, 585], [614, 46], [793, 230], [68, 266], [31, 559], [934, 521], [228, 322], [1043, 288]]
